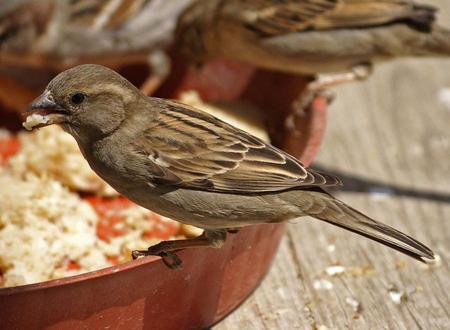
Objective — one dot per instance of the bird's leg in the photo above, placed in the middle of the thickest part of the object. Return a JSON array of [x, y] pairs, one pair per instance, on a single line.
[[159, 64], [319, 87], [212, 238]]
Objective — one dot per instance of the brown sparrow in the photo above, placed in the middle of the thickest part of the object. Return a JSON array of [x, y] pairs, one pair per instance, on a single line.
[[192, 167]]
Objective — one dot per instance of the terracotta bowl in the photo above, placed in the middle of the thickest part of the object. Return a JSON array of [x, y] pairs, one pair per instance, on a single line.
[[145, 293]]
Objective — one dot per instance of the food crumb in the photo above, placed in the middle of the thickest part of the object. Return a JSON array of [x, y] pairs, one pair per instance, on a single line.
[[58, 158], [41, 217], [397, 296], [322, 284], [360, 271], [335, 270], [355, 304], [331, 248], [33, 120], [322, 327], [444, 97], [282, 293]]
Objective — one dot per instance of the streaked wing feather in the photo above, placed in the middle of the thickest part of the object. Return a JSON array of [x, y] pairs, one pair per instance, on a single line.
[[197, 151], [270, 18]]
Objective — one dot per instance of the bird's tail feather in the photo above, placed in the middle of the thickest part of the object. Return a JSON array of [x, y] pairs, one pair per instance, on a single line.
[[342, 215], [422, 17]]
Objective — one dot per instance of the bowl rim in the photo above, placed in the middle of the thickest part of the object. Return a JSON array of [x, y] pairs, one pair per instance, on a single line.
[[59, 282]]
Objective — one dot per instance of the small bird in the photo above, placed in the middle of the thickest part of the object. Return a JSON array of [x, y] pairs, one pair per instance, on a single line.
[[192, 167], [339, 38], [310, 36]]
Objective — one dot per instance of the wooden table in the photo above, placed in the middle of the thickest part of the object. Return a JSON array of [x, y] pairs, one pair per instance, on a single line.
[[389, 138]]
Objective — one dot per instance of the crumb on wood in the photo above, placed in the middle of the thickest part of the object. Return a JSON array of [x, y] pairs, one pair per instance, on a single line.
[[444, 97], [331, 248], [273, 315], [396, 295], [335, 270], [322, 327], [322, 284], [355, 271], [360, 271], [354, 303]]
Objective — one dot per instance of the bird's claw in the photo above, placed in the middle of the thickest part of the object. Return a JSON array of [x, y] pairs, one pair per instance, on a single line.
[[138, 253], [304, 103], [170, 259], [327, 94], [362, 71]]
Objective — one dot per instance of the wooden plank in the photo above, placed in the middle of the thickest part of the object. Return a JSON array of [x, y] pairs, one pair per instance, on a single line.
[[394, 130]]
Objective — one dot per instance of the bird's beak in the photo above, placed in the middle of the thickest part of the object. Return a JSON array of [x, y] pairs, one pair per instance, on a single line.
[[44, 111], [44, 101]]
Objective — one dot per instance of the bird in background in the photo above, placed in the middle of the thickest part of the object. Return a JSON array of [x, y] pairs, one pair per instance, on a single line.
[[58, 34], [339, 38], [192, 167]]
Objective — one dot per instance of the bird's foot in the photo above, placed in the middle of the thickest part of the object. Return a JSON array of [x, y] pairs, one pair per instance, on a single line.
[[160, 66], [358, 72], [166, 249], [320, 88], [362, 71], [170, 259], [304, 103]]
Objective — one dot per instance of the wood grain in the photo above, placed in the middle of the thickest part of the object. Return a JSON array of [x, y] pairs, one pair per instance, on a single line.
[[393, 130]]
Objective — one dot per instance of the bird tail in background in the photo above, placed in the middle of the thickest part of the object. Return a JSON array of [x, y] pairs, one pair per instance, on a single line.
[[423, 36], [342, 215], [422, 17]]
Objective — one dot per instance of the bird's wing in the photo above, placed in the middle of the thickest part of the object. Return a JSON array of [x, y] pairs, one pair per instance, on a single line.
[[191, 149], [279, 17], [103, 14]]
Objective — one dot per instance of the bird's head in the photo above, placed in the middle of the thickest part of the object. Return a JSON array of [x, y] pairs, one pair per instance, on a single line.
[[87, 100]]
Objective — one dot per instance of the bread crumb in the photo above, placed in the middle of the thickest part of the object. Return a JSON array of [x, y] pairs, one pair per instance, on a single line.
[[397, 296], [322, 284], [335, 270], [42, 226], [34, 120], [51, 152], [355, 304]]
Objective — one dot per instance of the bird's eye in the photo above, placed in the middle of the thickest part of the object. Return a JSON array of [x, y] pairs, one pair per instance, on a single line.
[[77, 98]]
